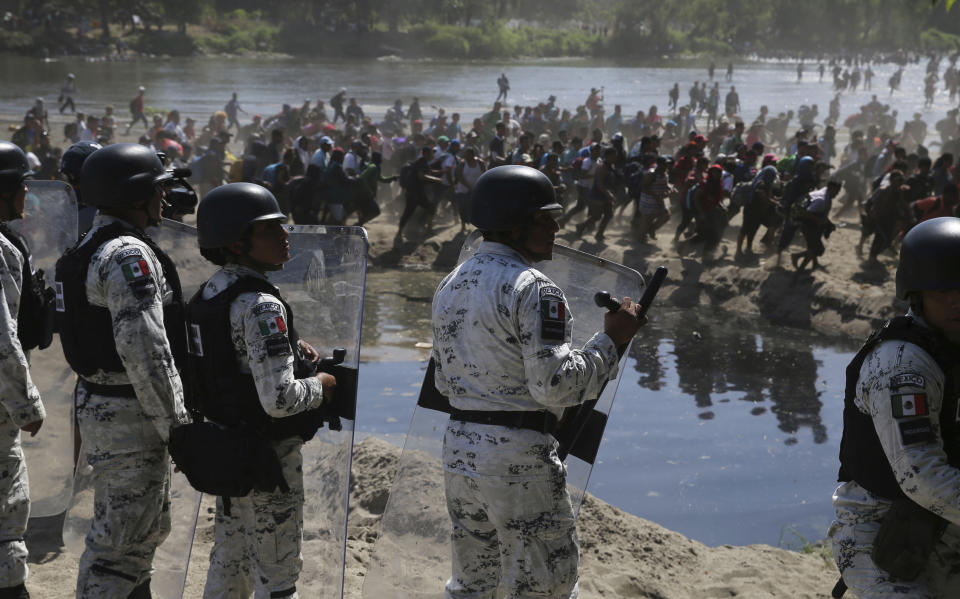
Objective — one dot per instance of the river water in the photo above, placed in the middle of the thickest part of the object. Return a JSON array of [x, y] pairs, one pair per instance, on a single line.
[[200, 86], [724, 428]]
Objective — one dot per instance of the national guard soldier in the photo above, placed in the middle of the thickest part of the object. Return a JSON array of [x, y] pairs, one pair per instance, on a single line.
[[253, 375], [898, 504], [71, 163], [20, 398], [501, 344], [121, 324]]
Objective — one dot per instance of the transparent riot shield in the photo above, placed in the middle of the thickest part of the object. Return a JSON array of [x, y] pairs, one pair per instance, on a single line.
[[324, 283], [49, 227], [170, 563], [411, 558], [172, 557]]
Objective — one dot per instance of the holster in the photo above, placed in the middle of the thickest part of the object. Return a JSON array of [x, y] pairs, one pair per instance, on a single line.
[[906, 539], [223, 461]]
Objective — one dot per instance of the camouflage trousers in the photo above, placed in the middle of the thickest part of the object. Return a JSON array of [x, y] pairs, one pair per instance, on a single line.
[[256, 549], [131, 495], [14, 509], [513, 523], [853, 533]]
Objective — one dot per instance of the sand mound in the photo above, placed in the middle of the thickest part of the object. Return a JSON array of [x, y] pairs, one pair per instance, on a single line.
[[622, 555]]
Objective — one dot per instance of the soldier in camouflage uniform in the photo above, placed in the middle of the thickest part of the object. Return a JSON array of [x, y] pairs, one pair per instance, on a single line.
[[502, 350], [898, 506], [70, 165], [23, 410], [254, 374], [120, 317]]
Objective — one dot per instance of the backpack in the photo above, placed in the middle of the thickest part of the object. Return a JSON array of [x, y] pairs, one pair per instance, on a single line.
[[236, 171], [437, 163], [871, 202], [634, 176], [133, 106], [406, 174]]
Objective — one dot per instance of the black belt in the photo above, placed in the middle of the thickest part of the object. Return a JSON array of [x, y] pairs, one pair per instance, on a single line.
[[108, 390], [540, 421]]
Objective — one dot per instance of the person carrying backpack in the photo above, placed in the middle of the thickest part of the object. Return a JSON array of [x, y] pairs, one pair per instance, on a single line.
[[652, 211], [415, 181], [136, 110], [583, 170]]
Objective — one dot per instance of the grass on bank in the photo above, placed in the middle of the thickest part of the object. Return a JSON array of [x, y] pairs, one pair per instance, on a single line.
[[797, 542]]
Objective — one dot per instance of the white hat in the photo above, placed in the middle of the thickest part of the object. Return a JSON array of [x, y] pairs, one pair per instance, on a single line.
[[33, 161], [70, 76], [142, 89]]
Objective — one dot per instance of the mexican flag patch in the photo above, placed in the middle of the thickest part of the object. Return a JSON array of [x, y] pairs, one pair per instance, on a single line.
[[135, 270], [272, 326], [909, 404], [553, 309]]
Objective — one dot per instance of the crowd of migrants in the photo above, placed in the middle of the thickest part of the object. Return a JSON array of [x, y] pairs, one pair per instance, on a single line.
[[325, 160]]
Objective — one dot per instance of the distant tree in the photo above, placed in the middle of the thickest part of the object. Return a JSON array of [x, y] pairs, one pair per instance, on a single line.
[[182, 12], [106, 10], [648, 20]]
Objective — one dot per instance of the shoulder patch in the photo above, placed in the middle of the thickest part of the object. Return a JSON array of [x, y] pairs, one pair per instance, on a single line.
[[142, 287], [908, 379], [550, 290], [128, 254], [913, 432], [553, 315], [906, 405], [267, 307], [271, 325], [134, 269], [277, 346]]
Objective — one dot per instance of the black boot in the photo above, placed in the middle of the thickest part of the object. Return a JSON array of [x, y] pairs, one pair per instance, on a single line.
[[17, 592], [142, 591]]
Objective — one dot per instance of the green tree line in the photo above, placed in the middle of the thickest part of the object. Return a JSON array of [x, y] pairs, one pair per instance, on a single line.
[[479, 28]]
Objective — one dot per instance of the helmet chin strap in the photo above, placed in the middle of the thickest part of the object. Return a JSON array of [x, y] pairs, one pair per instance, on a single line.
[[517, 240], [150, 220], [10, 212]]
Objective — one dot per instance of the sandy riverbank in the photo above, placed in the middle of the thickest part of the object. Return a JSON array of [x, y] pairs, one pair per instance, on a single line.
[[623, 556]]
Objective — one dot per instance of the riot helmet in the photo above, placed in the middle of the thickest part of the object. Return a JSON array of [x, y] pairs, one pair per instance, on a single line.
[[225, 213], [930, 257], [13, 167], [121, 176], [505, 197], [72, 160]]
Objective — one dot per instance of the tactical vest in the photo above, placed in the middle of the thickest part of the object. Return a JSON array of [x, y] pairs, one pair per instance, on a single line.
[[86, 331], [861, 455], [35, 317], [219, 390]]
